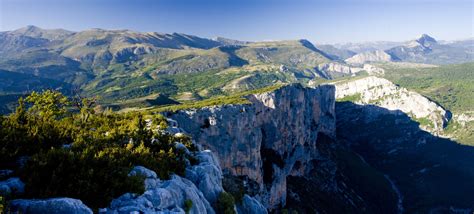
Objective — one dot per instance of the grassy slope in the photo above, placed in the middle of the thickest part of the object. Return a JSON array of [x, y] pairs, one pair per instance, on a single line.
[[452, 86]]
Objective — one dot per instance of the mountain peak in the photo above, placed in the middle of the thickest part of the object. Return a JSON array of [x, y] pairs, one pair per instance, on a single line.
[[426, 37], [37, 32], [28, 29], [426, 40]]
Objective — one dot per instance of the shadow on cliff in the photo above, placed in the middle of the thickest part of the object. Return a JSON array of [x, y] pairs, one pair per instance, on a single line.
[[432, 173]]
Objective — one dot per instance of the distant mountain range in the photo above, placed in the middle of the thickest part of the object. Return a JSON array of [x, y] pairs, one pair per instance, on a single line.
[[367, 46], [424, 49], [123, 65]]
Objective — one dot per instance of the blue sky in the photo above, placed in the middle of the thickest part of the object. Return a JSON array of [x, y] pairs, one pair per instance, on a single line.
[[321, 21]]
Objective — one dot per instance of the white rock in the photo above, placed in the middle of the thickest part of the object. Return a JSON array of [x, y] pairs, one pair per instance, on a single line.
[[163, 197], [207, 176], [286, 123], [383, 93], [53, 206], [370, 56]]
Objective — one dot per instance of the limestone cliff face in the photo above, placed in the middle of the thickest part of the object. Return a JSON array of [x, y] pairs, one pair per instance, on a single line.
[[338, 67], [383, 93], [371, 56], [273, 137], [334, 69]]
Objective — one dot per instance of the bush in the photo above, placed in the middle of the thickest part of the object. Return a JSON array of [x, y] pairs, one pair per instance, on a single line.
[[2, 205], [83, 154], [225, 203], [94, 178], [188, 204]]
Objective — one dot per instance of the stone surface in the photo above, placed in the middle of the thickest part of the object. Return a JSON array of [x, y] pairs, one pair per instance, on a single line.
[[53, 206], [335, 69], [370, 56], [338, 67], [251, 205], [11, 186], [273, 137], [167, 197], [202, 185], [383, 93], [207, 176]]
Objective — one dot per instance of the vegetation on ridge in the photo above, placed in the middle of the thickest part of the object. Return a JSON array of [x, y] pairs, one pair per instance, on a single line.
[[60, 150]]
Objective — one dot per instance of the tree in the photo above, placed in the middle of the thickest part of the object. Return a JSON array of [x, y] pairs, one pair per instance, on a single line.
[[48, 104], [20, 115], [142, 134], [85, 106]]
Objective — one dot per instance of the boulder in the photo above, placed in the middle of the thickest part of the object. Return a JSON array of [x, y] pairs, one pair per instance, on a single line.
[[52, 206], [207, 176], [162, 197], [251, 205], [142, 171], [151, 179], [11, 186]]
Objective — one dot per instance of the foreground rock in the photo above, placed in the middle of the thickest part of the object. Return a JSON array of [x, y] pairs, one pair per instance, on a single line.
[[53, 206], [11, 186], [207, 176], [251, 205], [161, 196]]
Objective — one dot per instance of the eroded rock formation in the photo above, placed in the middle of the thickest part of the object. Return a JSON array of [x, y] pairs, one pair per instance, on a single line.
[[381, 92], [268, 140]]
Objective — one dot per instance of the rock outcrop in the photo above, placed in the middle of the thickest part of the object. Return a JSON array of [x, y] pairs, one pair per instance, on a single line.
[[251, 205], [162, 196], [207, 176], [339, 68], [202, 188], [332, 69], [383, 93], [273, 137], [371, 56], [11, 186], [53, 205]]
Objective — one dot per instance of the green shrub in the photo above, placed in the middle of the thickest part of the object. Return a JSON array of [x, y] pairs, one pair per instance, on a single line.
[[225, 203], [83, 154], [351, 98], [235, 187], [188, 204], [2, 205], [95, 179]]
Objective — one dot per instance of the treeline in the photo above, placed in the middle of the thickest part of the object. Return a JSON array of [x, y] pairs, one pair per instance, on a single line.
[[62, 147]]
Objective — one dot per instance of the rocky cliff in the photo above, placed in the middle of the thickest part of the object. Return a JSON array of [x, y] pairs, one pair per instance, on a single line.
[[372, 56], [278, 152], [381, 92], [333, 70], [275, 136]]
